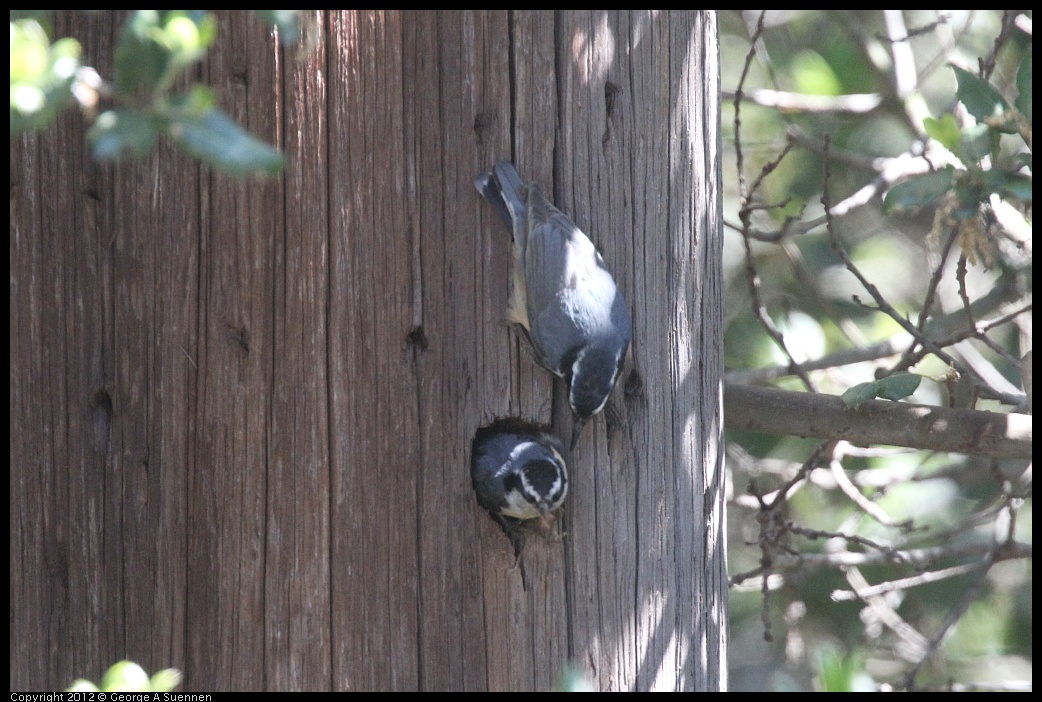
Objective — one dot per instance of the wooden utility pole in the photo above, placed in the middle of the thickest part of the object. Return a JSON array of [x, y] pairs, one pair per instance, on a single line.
[[242, 410]]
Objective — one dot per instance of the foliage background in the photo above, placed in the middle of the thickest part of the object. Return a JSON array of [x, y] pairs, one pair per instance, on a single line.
[[807, 292]]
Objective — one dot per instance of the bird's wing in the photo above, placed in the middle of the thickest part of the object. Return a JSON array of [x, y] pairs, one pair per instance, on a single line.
[[485, 477], [560, 263]]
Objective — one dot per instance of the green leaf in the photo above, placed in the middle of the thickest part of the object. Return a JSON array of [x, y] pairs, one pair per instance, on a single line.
[[893, 387], [945, 130], [29, 51], [813, 75], [199, 100], [977, 142], [287, 21], [573, 679], [125, 676], [42, 75], [116, 131], [1023, 101], [979, 96], [860, 394], [898, 386], [842, 673], [1017, 186], [155, 47], [40, 16], [833, 675], [140, 63], [919, 190], [186, 36], [969, 195], [165, 680], [216, 138]]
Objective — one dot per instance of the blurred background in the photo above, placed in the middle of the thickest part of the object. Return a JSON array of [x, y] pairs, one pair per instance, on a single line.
[[932, 203]]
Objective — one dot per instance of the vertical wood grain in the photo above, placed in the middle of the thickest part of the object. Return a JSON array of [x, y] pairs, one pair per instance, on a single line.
[[242, 409], [297, 586], [241, 228], [376, 461]]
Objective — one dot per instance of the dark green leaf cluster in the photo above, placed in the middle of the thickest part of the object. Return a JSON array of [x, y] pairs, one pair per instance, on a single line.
[[893, 387], [978, 148], [42, 75], [154, 51]]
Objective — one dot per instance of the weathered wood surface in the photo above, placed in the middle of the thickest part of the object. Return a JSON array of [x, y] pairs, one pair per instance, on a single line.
[[242, 410]]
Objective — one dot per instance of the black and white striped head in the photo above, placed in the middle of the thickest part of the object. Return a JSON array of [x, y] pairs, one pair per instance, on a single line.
[[535, 481], [592, 376], [518, 470]]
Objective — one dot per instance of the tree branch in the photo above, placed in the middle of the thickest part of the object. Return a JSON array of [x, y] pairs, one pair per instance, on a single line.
[[916, 557], [801, 102], [771, 411]]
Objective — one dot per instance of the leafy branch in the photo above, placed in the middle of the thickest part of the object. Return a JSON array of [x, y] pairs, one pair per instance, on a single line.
[[140, 102], [963, 188]]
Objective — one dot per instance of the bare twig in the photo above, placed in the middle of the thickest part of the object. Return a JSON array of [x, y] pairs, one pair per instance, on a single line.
[[878, 351], [854, 159], [745, 213], [739, 160], [944, 55], [883, 306], [960, 276], [765, 319], [990, 384], [810, 464], [916, 31], [801, 102], [868, 507], [914, 643], [875, 352], [970, 595], [815, 534], [935, 279], [925, 578], [889, 171], [987, 63], [768, 168], [982, 327], [921, 558], [905, 77]]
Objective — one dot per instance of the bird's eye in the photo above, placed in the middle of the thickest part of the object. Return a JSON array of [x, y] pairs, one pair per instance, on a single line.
[[512, 482]]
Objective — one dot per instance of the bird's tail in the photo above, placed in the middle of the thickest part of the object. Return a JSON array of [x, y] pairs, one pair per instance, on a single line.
[[506, 192]]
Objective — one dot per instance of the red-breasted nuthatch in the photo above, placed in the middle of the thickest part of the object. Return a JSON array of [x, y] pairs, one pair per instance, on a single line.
[[562, 296], [517, 470]]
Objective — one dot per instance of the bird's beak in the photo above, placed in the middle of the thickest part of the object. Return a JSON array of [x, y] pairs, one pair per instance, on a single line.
[[577, 430]]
